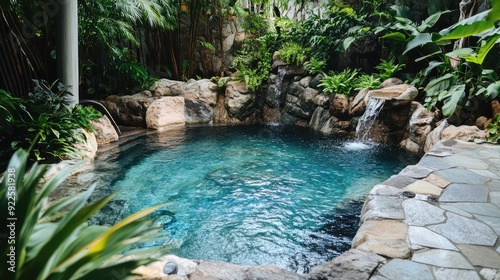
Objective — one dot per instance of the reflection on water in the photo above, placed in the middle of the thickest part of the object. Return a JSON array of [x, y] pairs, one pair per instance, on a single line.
[[249, 195]]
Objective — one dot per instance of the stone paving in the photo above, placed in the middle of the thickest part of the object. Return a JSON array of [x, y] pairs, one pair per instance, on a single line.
[[439, 219]]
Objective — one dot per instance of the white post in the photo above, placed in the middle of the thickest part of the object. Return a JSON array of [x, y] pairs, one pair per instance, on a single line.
[[67, 47]]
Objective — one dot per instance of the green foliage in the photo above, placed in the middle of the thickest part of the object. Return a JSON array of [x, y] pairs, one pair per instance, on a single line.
[[315, 66], [255, 24], [387, 69], [44, 123], [253, 63], [293, 53], [68, 248], [454, 78], [340, 83], [493, 130], [367, 81]]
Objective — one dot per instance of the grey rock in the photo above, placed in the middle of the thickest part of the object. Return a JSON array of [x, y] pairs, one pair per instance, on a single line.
[[462, 176], [319, 118], [421, 213], [481, 256], [493, 222], [170, 268], [239, 101], [423, 237], [490, 274], [381, 207], [451, 208], [353, 264], [315, 81], [447, 274], [416, 171], [434, 162], [464, 193], [391, 82], [485, 209], [197, 111], [399, 181], [305, 81], [322, 100], [466, 162], [358, 105], [405, 270], [466, 231], [442, 258]]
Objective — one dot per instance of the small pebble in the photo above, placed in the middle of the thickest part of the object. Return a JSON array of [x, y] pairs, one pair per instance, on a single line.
[[170, 268]]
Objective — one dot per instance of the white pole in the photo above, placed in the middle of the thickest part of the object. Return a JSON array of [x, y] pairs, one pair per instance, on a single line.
[[67, 47]]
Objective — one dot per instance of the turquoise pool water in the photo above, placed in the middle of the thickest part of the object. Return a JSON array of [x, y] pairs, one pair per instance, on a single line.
[[251, 195]]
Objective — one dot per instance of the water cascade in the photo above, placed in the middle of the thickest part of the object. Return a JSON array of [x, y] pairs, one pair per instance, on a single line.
[[279, 87], [365, 123]]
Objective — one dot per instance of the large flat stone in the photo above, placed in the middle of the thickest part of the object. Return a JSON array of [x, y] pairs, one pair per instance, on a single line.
[[421, 213], [416, 171], [447, 274], [382, 207], [404, 269], [485, 209], [481, 256], [423, 187], [493, 222], [486, 173], [494, 185], [465, 231], [469, 162], [399, 181], [442, 258], [387, 238], [353, 264], [435, 163], [451, 208], [422, 237], [462, 176], [495, 198], [437, 181], [464, 193]]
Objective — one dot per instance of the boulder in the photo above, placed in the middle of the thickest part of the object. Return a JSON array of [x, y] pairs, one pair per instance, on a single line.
[[322, 100], [315, 81], [339, 106], [386, 238], [271, 115], [239, 100], [129, 110], [104, 131], [391, 82], [197, 111], [398, 92], [203, 90], [336, 126], [421, 124], [353, 264], [166, 87], [166, 112], [358, 105], [450, 132], [481, 122], [495, 107], [319, 118], [295, 107], [88, 147]]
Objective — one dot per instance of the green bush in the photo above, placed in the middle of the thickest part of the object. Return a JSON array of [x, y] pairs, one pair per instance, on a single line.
[[253, 63], [367, 81], [67, 248], [340, 83], [493, 130], [293, 53], [42, 123], [387, 68], [315, 66]]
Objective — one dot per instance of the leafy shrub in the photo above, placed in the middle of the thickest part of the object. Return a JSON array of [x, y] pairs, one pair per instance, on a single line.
[[367, 81], [339, 83], [387, 69], [255, 24], [293, 53], [67, 248], [315, 66], [493, 130], [253, 63], [43, 123]]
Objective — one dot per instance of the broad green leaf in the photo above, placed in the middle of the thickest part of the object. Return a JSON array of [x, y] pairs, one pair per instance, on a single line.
[[431, 21], [491, 128], [493, 90], [396, 36], [419, 40], [457, 94], [433, 64], [348, 41], [462, 53], [484, 50]]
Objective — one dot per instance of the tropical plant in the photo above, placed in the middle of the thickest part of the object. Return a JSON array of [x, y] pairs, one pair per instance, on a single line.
[[315, 66], [53, 241], [367, 81], [387, 69], [460, 75], [293, 53], [493, 130], [339, 83], [253, 63], [43, 123]]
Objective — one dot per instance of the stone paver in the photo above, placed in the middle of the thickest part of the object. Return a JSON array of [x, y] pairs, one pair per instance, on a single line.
[[421, 213], [442, 258], [466, 193], [453, 216], [481, 256], [405, 270], [465, 231], [423, 187]]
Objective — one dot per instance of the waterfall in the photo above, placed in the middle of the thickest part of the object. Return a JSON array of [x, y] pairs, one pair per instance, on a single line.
[[278, 87], [365, 123]]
